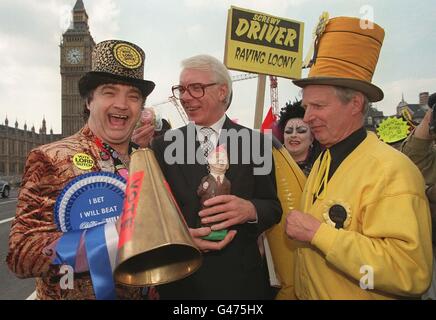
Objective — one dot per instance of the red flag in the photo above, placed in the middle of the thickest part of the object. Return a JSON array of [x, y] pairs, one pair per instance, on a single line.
[[268, 121]]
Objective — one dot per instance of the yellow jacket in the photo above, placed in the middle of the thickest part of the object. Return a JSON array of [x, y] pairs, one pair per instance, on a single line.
[[386, 240], [290, 183]]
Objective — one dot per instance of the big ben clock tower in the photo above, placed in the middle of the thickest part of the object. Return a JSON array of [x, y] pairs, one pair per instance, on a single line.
[[76, 47]]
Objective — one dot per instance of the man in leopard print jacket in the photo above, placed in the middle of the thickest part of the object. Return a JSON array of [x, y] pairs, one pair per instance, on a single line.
[[115, 93]]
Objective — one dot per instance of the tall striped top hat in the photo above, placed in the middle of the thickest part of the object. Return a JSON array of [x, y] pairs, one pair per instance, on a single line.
[[346, 56], [119, 62]]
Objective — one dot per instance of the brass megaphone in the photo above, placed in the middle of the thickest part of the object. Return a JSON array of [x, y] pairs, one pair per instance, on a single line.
[[155, 246]]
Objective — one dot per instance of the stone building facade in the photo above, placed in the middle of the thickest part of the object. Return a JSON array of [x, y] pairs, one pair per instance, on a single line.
[[16, 143]]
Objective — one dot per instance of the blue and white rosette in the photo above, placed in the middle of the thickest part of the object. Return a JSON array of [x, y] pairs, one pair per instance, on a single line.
[[84, 206]]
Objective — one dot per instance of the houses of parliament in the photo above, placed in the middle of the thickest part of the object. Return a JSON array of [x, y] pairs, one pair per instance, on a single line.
[[75, 60]]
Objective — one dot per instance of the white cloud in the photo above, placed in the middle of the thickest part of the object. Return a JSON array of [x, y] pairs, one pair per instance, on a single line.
[[104, 17], [274, 7], [64, 14], [409, 87], [195, 32], [27, 100], [30, 56], [30, 82]]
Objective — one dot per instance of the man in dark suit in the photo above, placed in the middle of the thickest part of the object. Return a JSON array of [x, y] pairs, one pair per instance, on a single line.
[[233, 267]]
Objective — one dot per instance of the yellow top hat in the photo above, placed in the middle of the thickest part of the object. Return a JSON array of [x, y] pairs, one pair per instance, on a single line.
[[347, 56]]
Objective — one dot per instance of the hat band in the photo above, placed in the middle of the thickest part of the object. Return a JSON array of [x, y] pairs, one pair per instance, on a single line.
[[338, 68], [358, 56]]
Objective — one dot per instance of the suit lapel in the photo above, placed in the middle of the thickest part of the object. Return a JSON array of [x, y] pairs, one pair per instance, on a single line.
[[192, 172], [232, 172]]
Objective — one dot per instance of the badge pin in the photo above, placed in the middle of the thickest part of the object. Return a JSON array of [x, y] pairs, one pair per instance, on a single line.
[[83, 161], [104, 156], [127, 56], [338, 215]]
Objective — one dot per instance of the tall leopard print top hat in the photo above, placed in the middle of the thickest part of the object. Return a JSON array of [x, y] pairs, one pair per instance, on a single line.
[[116, 61]]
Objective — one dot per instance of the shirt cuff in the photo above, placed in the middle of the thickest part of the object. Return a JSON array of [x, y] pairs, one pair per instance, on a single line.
[[325, 237], [255, 212], [254, 221]]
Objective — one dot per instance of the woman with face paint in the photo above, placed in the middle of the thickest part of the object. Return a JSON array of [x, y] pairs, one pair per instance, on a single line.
[[297, 137]]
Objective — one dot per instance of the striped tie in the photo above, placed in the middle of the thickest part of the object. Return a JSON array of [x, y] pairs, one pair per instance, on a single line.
[[207, 145]]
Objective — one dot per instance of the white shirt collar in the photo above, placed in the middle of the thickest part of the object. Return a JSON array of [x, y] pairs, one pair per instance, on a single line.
[[217, 126]]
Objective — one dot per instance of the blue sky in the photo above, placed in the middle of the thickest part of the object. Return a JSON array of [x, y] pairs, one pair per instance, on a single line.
[[171, 30]]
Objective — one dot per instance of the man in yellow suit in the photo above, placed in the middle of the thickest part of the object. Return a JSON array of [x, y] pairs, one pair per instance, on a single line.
[[364, 230]]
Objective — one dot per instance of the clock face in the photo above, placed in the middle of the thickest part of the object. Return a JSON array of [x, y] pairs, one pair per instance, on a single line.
[[74, 55]]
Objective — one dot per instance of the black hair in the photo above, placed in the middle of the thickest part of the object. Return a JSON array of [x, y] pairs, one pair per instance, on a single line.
[[290, 111]]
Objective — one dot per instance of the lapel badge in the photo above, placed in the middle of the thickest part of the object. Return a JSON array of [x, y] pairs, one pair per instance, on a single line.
[[83, 161], [104, 155]]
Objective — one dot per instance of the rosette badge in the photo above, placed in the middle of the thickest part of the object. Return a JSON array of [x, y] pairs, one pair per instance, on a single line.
[[88, 200]]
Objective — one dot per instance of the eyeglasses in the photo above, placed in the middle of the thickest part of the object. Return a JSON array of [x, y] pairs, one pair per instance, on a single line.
[[195, 90]]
